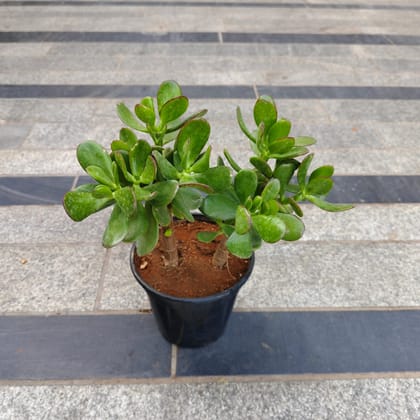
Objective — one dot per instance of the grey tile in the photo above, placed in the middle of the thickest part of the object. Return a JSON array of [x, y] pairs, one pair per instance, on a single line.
[[50, 277], [329, 274], [13, 135], [82, 347], [377, 399]]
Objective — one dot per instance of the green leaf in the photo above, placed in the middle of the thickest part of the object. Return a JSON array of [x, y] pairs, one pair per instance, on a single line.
[[281, 146], [146, 114], [128, 137], [80, 203], [176, 125], [265, 112], [166, 169], [319, 186], [284, 172], [143, 195], [271, 190], [167, 91], [102, 191], [90, 153], [117, 145], [295, 206], [270, 207], [207, 237], [185, 201], [256, 204], [127, 117], [137, 224], [326, 171], [165, 192], [191, 140], [242, 220], [162, 215], [294, 152], [202, 164], [245, 184], [270, 228], [231, 161], [220, 207], [149, 172], [116, 229], [240, 245], [243, 126], [294, 226], [148, 240], [325, 205], [121, 162], [262, 166], [279, 130], [217, 178], [138, 157], [303, 170], [98, 174], [304, 141], [126, 200], [173, 109]]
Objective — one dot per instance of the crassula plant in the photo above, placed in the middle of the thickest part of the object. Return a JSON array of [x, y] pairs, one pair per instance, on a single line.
[[168, 175]]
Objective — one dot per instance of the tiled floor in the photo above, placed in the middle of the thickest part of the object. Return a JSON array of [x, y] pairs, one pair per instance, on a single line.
[[326, 328]]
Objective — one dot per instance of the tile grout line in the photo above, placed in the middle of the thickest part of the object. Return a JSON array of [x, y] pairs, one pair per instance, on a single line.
[[174, 358], [100, 288], [254, 87], [220, 35], [75, 181]]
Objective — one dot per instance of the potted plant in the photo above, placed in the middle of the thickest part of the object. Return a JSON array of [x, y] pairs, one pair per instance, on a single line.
[[195, 226]]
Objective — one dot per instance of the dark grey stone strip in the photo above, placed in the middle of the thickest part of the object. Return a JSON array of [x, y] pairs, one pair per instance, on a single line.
[[171, 37], [82, 347], [342, 92], [120, 91], [350, 189], [204, 37], [310, 342], [210, 4]]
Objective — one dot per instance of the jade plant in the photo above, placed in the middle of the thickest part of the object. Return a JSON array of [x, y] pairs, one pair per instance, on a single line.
[[150, 182]]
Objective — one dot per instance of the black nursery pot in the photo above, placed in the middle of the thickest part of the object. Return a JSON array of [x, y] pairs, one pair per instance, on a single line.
[[191, 322]]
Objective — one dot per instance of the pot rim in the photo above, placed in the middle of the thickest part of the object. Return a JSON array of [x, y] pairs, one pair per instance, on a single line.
[[203, 299]]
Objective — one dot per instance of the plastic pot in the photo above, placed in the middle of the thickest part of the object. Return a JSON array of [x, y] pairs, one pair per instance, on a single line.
[[191, 322]]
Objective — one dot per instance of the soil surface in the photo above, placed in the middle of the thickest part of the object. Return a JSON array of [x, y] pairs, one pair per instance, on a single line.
[[195, 276]]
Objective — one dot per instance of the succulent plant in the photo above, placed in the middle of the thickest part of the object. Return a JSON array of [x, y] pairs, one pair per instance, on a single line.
[[149, 182]]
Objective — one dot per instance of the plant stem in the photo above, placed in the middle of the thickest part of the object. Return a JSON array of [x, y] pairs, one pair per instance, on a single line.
[[220, 256], [169, 245]]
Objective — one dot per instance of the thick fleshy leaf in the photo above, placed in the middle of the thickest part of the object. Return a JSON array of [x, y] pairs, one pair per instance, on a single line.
[[90, 153], [98, 174], [126, 200], [176, 125], [265, 111], [270, 228], [319, 186], [256, 204], [162, 215], [173, 109], [116, 229], [138, 157], [102, 191], [303, 170], [168, 90], [122, 164], [217, 178], [284, 172], [295, 206], [207, 237], [118, 145], [240, 245], [220, 207], [245, 184], [281, 146], [294, 227], [191, 140], [128, 118], [270, 207], [326, 171], [271, 190], [149, 172], [304, 141], [80, 203], [231, 161], [202, 164], [325, 205], [185, 201], [242, 220], [165, 192], [166, 169], [148, 240], [243, 126], [294, 152], [137, 224], [144, 113], [262, 166], [142, 194], [279, 130], [128, 137]]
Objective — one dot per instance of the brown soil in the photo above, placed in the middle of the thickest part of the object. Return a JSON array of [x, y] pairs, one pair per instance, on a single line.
[[195, 276]]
